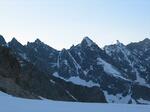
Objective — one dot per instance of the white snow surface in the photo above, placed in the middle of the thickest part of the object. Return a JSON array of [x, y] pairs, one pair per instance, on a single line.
[[13, 104], [109, 69], [118, 98], [77, 80], [143, 101]]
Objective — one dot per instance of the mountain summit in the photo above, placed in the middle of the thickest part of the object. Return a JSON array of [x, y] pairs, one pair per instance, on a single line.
[[87, 41], [2, 40]]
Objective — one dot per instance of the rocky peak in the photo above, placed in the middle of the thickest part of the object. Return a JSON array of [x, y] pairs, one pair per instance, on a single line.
[[118, 43], [140, 47], [14, 42], [38, 41], [116, 48], [146, 40], [145, 43], [2, 40], [64, 53], [64, 50], [87, 41], [42, 45], [39, 45]]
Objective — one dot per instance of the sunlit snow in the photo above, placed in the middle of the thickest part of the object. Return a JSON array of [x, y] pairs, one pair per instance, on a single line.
[[13, 104]]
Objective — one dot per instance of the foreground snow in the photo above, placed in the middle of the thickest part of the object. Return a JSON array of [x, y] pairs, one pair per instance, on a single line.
[[13, 104]]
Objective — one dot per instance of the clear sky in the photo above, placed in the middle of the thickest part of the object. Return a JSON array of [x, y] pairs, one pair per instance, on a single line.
[[61, 23]]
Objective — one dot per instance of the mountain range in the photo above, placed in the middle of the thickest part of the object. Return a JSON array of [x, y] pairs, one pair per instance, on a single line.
[[85, 72]]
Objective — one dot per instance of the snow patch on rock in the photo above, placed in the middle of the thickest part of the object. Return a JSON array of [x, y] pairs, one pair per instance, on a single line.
[[77, 80], [118, 98]]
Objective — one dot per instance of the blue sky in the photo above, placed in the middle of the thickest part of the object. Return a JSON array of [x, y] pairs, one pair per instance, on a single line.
[[61, 23]]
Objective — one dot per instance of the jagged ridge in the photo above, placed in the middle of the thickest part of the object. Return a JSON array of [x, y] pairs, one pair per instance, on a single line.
[[116, 69]]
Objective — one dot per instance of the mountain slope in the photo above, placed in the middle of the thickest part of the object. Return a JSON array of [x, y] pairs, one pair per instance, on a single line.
[[29, 82], [115, 72]]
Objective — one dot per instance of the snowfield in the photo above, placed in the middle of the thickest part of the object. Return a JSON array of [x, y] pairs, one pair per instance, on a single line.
[[13, 104]]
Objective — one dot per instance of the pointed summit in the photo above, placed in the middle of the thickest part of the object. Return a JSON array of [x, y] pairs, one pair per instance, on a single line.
[[2, 40], [38, 41], [14, 41], [87, 41], [64, 52], [118, 43], [38, 44], [146, 41]]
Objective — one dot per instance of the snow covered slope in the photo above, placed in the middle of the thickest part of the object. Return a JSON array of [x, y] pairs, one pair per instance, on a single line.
[[13, 104]]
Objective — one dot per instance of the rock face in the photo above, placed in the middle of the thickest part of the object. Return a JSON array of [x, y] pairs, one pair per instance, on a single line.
[[21, 78], [85, 72], [141, 50], [9, 75], [2, 40]]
